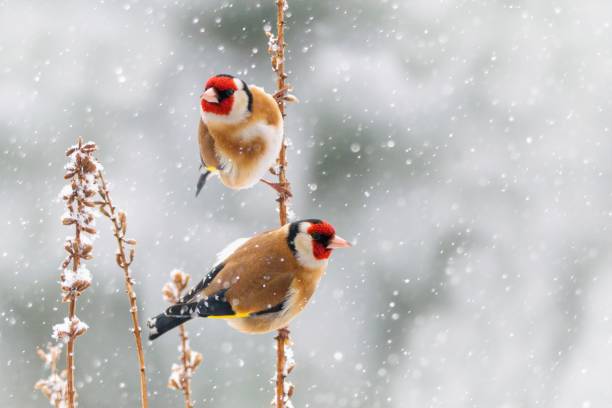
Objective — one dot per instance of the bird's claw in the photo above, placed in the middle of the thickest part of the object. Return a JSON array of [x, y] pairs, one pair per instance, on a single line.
[[283, 189]]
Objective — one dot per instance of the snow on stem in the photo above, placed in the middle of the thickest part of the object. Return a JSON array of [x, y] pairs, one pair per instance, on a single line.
[[276, 49], [54, 386], [284, 366], [81, 171], [180, 378], [124, 259]]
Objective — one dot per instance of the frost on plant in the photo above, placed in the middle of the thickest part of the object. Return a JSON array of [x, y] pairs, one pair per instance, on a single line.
[[78, 195], [180, 378], [71, 328], [54, 386], [287, 367], [79, 280]]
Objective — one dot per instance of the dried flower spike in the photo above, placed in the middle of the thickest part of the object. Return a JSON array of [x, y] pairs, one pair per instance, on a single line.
[[54, 386], [180, 377], [124, 259], [80, 171]]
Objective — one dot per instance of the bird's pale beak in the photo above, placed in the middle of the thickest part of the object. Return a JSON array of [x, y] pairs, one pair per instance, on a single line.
[[338, 242], [210, 95]]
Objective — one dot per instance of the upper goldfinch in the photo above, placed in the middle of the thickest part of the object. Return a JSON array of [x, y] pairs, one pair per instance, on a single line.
[[259, 284], [240, 132]]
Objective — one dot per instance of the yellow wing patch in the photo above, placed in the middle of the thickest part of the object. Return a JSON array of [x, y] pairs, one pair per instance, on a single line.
[[234, 316]]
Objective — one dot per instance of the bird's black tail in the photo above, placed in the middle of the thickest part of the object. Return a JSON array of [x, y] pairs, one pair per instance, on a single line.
[[174, 316], [201, 181]]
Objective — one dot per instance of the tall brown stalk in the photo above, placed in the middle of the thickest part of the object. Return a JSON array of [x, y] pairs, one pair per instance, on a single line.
[[80, 171], [180, 379], [276, 49], [119, 223]]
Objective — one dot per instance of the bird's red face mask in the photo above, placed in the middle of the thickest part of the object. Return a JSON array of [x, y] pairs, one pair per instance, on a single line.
[[324, 240], [218, 96]]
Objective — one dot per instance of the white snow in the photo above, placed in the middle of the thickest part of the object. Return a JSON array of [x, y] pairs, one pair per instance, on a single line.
[[63, 331], [82, 275]]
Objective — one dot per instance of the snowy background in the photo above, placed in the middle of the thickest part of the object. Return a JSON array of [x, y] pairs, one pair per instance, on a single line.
[[464, 145]]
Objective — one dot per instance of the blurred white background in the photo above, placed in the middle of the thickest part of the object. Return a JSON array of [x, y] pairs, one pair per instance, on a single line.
[[464, 145]]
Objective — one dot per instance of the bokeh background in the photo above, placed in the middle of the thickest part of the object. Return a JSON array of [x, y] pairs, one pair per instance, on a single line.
[[464, 146]]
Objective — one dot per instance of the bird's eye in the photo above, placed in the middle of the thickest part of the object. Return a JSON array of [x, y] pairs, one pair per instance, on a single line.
[[316, 236], [224, 94]]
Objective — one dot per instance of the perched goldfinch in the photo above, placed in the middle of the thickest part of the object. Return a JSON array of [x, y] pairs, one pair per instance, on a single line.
[[240, 133], [259, 284]]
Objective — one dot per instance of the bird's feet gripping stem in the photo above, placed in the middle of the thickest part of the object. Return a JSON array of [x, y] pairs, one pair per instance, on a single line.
[[283, 189]]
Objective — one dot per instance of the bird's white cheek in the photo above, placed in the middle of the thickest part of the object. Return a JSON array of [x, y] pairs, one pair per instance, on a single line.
[[240, 106], [304, 255]]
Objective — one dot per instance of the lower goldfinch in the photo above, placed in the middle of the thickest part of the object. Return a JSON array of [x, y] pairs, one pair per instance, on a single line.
[[240, 133], [259, 284]]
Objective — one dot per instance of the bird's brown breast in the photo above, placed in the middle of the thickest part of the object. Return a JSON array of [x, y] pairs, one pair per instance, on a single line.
[[242, 145]]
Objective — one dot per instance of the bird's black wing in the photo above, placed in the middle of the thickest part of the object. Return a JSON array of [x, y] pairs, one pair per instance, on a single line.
[[215, 306], [203, 283], [212, 306]]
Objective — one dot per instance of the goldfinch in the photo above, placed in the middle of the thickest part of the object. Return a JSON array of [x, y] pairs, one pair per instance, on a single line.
[[259, 284], [240, 133]]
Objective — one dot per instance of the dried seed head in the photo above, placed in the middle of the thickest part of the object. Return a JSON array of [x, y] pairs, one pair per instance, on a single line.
[[290, 98], [196, 359], [175, 380], [90, 230], [71, 328], [180, 279], [119, 259], [122, 221], [73, 283], [169, 293]]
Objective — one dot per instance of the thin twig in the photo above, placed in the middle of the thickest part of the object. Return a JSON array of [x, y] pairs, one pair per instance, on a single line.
[[70, 353], [119, 222], [276, 49], [54, 386], [180, 379], [186, 379]]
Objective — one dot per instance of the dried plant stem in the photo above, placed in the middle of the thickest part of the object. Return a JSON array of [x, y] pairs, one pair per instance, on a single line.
[[119, 222], [186, 379], [180, 378], [75, 277], [277, 53], [72, 302], [54, 386], [282, 338], [71, 340], [280, 85]]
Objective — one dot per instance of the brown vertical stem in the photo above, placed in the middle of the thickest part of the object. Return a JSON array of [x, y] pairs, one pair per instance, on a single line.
[[280, 85], [278, 61], [281, 359], [70, 347], [76, 260], [186, 379], [124, 263]]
